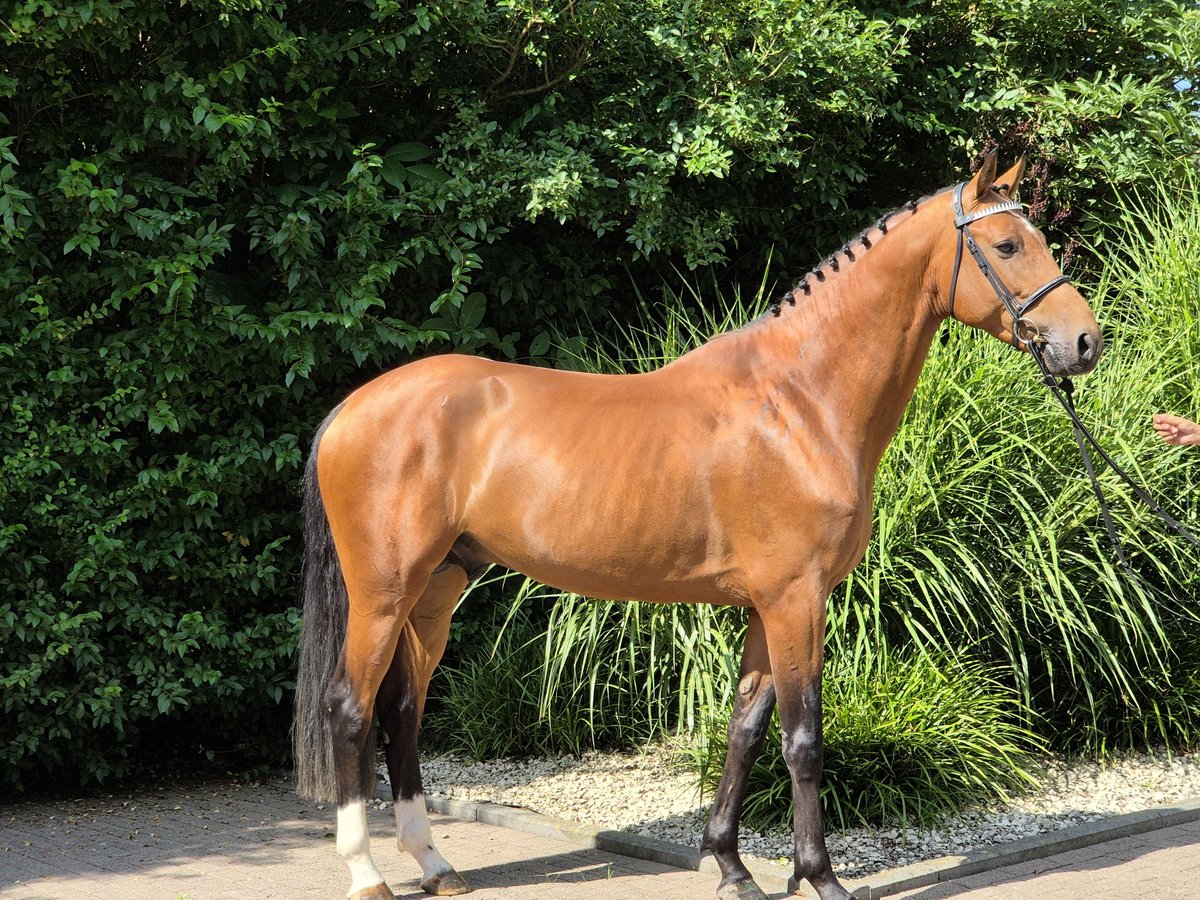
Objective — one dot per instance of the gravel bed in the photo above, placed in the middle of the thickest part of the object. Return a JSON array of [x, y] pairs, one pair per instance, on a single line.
[[653, 793]]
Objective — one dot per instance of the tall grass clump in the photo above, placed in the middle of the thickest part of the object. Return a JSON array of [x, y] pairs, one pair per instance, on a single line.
[[490, 706], [908, 738], [597, 675]]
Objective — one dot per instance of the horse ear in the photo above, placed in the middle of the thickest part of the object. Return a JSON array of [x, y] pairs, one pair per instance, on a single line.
[[982, 182], [1007, 183]]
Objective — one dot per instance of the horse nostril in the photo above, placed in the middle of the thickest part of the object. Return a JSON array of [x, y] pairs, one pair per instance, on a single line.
[[1086, 345]]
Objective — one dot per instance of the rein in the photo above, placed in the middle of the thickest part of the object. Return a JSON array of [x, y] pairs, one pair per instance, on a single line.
[[1061, 388]]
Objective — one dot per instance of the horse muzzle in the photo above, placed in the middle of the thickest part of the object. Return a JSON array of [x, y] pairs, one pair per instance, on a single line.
[[1063, 355]]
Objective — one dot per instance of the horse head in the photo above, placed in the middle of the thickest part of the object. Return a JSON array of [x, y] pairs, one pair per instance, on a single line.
[[1004, 280]]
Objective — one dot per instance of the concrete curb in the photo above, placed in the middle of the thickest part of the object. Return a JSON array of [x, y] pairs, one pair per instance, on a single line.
[[774, 878]]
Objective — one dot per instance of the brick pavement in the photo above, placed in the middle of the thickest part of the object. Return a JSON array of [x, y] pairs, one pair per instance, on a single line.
[[1163, 864], [231, 841]]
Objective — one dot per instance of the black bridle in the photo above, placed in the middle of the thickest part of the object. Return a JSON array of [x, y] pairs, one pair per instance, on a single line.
[[1016, 308], [1061, 388]]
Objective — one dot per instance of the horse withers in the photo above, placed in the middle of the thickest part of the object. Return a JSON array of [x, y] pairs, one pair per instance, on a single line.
[[740, 474]]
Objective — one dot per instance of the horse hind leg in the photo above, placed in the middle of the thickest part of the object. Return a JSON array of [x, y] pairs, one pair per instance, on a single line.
[[350, 701], [372, 546], [400, 706], [379, 612]]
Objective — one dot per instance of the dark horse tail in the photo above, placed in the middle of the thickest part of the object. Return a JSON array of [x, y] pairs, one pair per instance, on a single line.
[[325, 610]]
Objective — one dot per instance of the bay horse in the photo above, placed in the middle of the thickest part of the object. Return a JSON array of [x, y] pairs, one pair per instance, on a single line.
[[739, 474]]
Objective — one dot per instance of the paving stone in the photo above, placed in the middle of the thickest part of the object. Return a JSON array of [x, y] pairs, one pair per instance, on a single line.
[[229, 841]]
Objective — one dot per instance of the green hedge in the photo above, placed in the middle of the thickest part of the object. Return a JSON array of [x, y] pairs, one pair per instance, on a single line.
[[217, 217]]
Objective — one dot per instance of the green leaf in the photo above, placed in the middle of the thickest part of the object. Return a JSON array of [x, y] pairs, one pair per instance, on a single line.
[[429, 173], [408, 152], [470, 314], [394, 173], [162, 418]]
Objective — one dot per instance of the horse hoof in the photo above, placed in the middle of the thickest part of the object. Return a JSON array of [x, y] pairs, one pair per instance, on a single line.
[[741, 890], [445, 884], [376, 892]]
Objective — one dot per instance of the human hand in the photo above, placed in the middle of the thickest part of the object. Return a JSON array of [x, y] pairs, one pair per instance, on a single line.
[[1176, 430]]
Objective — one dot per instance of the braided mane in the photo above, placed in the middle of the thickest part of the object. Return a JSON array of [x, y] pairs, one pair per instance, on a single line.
[[831, 261]]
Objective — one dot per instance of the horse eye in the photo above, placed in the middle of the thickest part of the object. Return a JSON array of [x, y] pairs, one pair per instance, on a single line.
[[1006, 248]]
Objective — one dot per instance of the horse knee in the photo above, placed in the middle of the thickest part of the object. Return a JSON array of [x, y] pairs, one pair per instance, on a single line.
[[804, 753]]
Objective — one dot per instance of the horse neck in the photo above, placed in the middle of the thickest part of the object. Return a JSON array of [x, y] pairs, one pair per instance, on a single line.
[[852, 350]]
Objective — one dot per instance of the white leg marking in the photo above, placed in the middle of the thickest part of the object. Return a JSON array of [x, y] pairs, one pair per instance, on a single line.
[[413, 836], [354, 846]]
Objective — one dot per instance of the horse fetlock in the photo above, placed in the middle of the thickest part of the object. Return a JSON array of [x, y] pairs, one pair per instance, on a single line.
[[414, 836], [354, 846], [813, 866], [830, 889]]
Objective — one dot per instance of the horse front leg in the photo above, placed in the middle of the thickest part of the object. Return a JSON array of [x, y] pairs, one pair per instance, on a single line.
[[752, 709], [795, 633]]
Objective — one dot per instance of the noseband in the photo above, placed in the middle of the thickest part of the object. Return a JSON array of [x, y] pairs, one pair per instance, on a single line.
[[1015, 307]]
